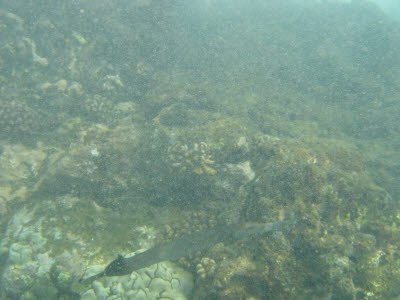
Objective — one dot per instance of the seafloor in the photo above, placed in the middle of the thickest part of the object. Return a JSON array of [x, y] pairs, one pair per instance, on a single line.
[[125, 124]]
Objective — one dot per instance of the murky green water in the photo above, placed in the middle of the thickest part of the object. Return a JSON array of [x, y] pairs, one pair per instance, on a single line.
[[127, 125]]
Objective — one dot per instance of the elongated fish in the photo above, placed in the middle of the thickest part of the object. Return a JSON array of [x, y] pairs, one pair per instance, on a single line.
[[185, 245]]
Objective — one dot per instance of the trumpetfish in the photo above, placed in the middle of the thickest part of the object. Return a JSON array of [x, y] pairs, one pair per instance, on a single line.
[[185, 245]]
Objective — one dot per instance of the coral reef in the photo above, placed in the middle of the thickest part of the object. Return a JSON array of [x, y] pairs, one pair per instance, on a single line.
[[18, 121], [124, 128], [197, 158], [163, 280], [84, 169], [21, 169], [205, 268], [98, 108]]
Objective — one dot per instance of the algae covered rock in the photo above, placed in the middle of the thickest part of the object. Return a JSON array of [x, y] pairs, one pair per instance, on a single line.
[[145, 125], [21, 169], [187, 164], [337, 246], [18, 121], [100, 163]]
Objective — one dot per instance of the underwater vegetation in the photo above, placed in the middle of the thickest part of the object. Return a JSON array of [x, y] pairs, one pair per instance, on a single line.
[[128, 129]]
